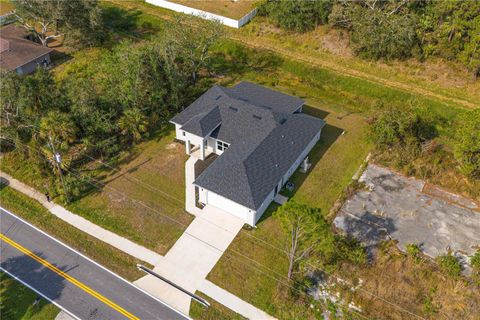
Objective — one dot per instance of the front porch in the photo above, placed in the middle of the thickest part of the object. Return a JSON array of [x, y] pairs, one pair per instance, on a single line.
[[199, 151]]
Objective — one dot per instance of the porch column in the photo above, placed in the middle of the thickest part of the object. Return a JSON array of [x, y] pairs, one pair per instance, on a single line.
[[187, 146], [202, 150]]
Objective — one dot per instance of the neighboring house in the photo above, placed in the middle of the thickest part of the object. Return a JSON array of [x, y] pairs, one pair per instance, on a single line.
[[20, 54], [261, 137]]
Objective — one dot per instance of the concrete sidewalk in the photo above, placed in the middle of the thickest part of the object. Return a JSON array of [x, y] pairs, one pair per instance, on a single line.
[[83, 224], [187, 263]]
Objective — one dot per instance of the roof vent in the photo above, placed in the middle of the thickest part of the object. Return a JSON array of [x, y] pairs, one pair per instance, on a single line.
[[266, 107], [276, 165], [257, 117], [233, 109], [218, 97], [283, 136], [283, 121]]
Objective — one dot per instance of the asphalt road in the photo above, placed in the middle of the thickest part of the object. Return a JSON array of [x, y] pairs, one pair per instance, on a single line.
[[78, 285]]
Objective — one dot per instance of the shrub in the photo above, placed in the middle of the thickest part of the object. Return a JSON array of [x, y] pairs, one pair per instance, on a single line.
[[467, 143], [475, 261], [297, 16], [400, 127], [449, 265], [414, 251]]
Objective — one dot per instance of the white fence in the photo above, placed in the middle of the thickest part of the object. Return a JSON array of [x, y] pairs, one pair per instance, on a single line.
[[203, 14]]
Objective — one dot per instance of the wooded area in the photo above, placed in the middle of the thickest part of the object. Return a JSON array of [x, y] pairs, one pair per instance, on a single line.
[[391, 29]]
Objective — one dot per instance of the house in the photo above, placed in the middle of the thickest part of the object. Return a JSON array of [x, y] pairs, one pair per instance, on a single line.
[[20, 54], [260, 137]]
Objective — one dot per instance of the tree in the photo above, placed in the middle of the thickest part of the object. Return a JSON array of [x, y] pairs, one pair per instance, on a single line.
[[379, 29], [133, 124], [53, 18], [451, 29], [57, 132], [310, 237], [190, 42], [467, 143], [299, 16], [26, 99]]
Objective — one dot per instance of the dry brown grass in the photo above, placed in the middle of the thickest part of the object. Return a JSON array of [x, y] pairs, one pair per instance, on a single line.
[[5, 7], [143, 199], [226, 8], [417, 287]]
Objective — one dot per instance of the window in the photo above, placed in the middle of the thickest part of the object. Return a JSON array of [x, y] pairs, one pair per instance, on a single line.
[[183, 133], [222, 146]]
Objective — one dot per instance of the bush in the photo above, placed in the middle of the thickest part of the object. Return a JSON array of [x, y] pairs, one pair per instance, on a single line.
[[467, 143], [475, 261], [449, 265], [297, 16], [414, 251], [401, 128], [377, 36]]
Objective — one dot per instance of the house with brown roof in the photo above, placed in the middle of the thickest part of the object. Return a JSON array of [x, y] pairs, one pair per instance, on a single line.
[[19, 53]]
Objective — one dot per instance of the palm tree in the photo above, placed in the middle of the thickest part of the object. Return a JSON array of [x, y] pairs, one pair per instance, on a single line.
[[58, 132], [133, 124]]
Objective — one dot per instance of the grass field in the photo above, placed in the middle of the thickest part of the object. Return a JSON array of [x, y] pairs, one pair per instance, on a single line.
[[17, 302], [143, 199], [341, 91], [5, 7], [140, 196], [334, 159], [226, 8], [36, 214], [216, 311]]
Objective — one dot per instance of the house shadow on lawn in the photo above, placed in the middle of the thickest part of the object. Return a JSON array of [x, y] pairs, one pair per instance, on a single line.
[[329, 135]]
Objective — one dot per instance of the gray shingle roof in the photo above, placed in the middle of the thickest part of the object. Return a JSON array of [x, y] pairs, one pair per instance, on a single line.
[[204, 123], [249, 170], [265, 136]]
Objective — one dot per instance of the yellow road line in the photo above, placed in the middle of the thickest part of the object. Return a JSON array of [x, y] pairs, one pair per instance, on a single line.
[[69, 278]]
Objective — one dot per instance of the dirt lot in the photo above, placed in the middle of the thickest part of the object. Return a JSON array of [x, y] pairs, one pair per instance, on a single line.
[[396, 207], [226, 8]]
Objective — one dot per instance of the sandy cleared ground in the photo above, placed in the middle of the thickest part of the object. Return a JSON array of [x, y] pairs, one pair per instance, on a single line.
[[395, 206]]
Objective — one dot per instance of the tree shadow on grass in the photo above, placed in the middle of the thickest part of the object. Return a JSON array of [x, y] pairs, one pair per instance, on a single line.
[[119, 20], [18, 301], [234, 60], [121, 23]]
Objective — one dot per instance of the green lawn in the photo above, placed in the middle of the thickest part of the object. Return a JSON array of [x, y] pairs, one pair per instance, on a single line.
[[36, 214], [335, 159], [16, 302], [341, 98], [141, 197], [216, 311]]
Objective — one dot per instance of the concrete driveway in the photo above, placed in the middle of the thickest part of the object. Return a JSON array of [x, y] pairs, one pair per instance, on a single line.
[[196, 252], [398, 207]]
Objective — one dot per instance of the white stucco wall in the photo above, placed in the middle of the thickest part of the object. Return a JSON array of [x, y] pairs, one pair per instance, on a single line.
[[206, 15], [194, 140]]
